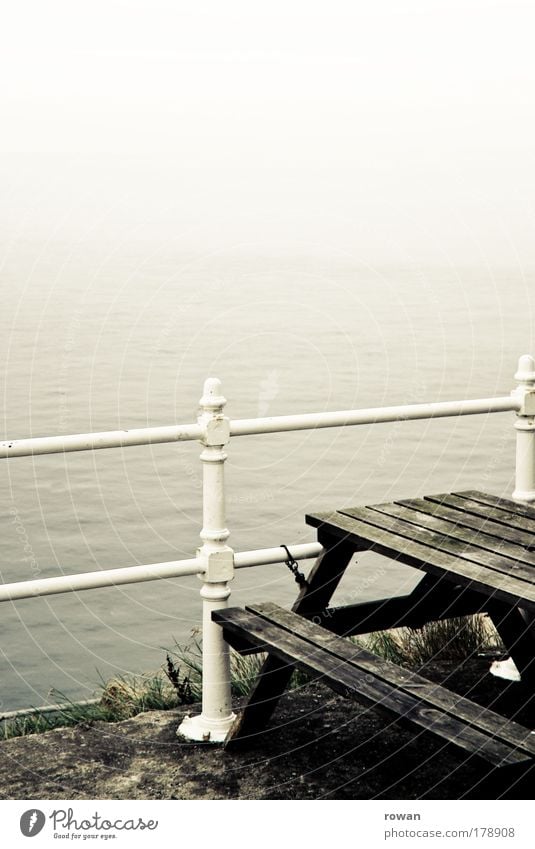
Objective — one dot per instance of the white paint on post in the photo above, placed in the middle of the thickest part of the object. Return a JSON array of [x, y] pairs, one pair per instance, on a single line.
[[525, 430], [216, 718], [524, 472]]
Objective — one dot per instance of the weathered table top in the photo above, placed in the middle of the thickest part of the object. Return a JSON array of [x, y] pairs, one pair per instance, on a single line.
[[471, 538]]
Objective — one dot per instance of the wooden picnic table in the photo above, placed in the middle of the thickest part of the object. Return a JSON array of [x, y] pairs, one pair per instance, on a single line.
[[478, 555]]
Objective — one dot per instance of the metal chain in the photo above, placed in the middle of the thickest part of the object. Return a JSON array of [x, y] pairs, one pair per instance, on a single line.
[[292, 566]]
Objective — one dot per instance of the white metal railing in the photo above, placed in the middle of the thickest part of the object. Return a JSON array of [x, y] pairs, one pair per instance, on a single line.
[[150, 572], [215, 562], [251, 427]]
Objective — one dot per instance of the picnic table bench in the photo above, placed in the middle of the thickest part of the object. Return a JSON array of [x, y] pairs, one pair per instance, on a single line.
[[478, 555]]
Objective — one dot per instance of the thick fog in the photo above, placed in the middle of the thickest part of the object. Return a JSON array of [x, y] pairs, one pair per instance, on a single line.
[[391, 131]]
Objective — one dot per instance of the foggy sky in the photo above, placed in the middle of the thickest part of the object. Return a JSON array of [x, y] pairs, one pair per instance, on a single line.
[[390, 131]]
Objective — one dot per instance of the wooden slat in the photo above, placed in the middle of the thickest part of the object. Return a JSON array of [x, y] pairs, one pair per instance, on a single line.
[[453, 508], [435, 695], [519, 508], [410, 611], [511, 517], [325, 575], [491, 514], [351, 679], [437, 541], [485, 563], [365, 536], [420, 514]]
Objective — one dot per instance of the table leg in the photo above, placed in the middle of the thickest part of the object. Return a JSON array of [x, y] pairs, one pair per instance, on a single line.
[[517, 631], [275, 674]]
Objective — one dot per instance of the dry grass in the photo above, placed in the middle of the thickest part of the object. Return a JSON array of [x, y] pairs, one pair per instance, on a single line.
[[179, 680], [444, 640]]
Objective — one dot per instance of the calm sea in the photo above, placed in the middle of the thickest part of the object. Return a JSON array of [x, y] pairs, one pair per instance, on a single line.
[[95, 338]]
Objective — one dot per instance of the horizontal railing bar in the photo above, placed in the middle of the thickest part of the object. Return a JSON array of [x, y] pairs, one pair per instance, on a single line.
[[94, 441], [59, 709], [374, 415], [151, 572], [265, 556], [103, 578], [248, 427]]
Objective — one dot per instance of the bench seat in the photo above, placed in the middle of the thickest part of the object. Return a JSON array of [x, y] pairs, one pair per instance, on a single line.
[[355, 672]]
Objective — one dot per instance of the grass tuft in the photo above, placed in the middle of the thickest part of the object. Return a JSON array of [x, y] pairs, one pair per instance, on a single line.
[[179, 680], [445, 640], [243, 668]]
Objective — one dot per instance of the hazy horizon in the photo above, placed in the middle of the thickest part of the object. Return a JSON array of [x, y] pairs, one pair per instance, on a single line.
[[396, 132]]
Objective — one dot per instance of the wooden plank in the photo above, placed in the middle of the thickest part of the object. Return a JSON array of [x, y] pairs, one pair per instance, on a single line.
[[491, 514], [518, 508], [513, 518], [425, 518], [274, 675], [479, 578], [410, 611], [433, 694], [351, 680], [325, 575], [438, 541], [452, 508]]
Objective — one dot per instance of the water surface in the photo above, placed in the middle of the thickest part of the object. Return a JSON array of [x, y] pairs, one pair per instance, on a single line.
[[95, 338]]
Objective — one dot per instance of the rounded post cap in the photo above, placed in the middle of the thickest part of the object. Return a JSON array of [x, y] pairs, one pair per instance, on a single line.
[[526, 369], [212, 397]]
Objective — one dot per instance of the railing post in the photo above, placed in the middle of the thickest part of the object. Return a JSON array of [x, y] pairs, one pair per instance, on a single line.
[[525, 430], [525, 458], [216, 717]]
